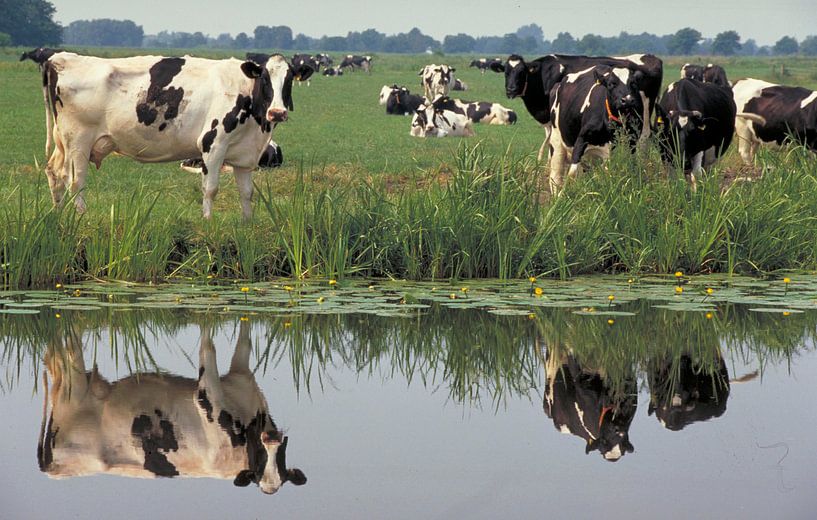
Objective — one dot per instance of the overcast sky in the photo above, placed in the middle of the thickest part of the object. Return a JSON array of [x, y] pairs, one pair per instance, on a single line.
[[764, 20]]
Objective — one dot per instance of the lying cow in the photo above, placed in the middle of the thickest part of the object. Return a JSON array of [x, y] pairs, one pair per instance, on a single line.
[[162, 425], [780, 113], [272, 157], [324, 60], [157, 109], [695, 122], [401, 101], [581, 402], [683, 392], [707, 74], [431, 120], [459, 85], [333, 71], [484, 64], [436, 80], [354, 62], [533, 82], [587, 110], [478, 112]]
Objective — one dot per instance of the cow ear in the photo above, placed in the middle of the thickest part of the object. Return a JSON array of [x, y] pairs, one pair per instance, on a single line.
[[421, 71], [244, 478], [251, 69], [296, 476], [591, 446], [598, 76], [534, 68], [453, 69], [304, 72], [497, 67]]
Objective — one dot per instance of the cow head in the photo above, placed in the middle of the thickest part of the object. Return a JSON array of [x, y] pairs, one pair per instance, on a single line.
[[266, 456], [272, 90], [516, 74], [386, 91], [622, 90], [675, 129], [690, 71], [419, 122]]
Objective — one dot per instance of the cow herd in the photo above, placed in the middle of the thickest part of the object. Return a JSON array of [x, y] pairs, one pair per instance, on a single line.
[[215, 114]]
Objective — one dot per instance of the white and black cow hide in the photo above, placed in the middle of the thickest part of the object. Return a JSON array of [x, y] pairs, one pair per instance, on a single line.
[[484, 64], [708, 73], [430, 120], [771, 114], [354, 62], [158, 109], [273, 157], [401, 101], [436, 80], [162, 425], [478, 111]]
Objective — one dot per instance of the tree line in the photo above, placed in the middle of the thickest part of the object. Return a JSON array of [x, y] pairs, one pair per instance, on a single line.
[[30, 22]]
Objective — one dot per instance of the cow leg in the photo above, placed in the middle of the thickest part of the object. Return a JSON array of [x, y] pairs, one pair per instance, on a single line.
[[557, 166], [78, 162], [697, 169], [645, 122], [544, 143], [209, 385], [55, 172], [241, 357], [746, 141], [243, 179], [209, 180], [576, 157]]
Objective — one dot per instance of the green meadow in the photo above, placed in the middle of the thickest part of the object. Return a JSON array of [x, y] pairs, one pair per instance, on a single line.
[[358, 196]]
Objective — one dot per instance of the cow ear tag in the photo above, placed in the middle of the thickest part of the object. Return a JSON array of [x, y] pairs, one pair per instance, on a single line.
[[660, 121], [702, 127]]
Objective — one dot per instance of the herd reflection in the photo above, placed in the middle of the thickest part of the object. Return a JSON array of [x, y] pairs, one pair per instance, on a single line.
[[586, 372]]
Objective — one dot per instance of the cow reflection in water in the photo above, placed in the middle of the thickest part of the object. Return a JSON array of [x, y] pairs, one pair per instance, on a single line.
[[683, 392], [581, 401], [156, 425]]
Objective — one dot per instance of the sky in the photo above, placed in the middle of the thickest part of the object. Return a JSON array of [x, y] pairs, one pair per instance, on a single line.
[[763, 20]]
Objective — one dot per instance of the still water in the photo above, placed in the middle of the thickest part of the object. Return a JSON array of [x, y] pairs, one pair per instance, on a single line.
[[442, 413]]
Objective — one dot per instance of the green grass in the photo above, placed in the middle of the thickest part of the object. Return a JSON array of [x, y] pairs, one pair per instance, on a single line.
[[359, 196]]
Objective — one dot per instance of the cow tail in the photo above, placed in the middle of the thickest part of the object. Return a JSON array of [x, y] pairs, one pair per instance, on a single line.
[[49, 110], [41, 457], [752, 117]]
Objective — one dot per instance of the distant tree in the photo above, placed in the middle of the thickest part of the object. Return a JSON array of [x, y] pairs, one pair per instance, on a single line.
[[638, 43], [372, 40], [592, 45], [5, 39], [764, 51], [726, 43], [278, 37], [242, 41], [333, 43], [809, 46], [532, 31], [564, 43], [303, 42], [30, 22], [459, 43], [684, 41], [488, 45], [749, 47], [104, 32], [786, 45], [223, 41]]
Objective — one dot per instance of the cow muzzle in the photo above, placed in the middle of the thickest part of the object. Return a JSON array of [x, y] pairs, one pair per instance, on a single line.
[[277, 115]]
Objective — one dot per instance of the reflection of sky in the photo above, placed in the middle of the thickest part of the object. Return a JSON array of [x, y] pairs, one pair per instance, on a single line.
[[374, 449]]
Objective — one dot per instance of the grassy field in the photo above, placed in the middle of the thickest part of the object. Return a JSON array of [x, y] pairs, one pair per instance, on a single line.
[[358, 195]]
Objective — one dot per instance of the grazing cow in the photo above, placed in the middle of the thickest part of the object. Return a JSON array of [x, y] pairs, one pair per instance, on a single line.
[[780, 113], [436, 80], [484, 64], [272, 157], [533, 82], [162, 425], [333, 71], [707, 74], [478, 112], [325, 60], [306, 60], [157, 109], [583, 403], [353, 62], [587, 109], [695, 122], [39, 55], [433, 120], [402, 102], [459, 85], [683, 392]]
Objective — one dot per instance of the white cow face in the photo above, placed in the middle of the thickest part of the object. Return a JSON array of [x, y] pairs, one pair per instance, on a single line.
[[281, 76]]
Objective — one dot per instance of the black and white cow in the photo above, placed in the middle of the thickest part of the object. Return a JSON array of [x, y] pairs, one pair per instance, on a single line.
[[484, 64], [272, 157], [162, 425], [306, 60], [459, 85], [436, 80], [780, 112], [695, 122], [333, 71], [533, 81], [588, 108], [401, 101], [683, 392], [479, 111], [581, 402], [353, 62], [158, 109], [433, 120], [708, 74], [39, 55], [325, 60]]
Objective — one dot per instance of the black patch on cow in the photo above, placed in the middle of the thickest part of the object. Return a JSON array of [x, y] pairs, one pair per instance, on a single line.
[[238, 114], [209, 137], [158, 95], [477, 111], [156, 444], [234, 429], [45, 448], [205, 404], [50, 78], [201, 369]]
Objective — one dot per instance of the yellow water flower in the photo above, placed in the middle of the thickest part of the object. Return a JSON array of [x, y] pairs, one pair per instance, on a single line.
[[538, 291], [786, 313], [209, 276], [610, 321], [59, 286], [244, 318], [611, 297], [58, 315], [371, 287], [531, 316], [464, 290], [287, 324], [709, 290], [679, 289], [245, 289], [786, 280], [678, 274], [532, 279], [709, 315], [77, 292], [630, 280], [320, 299], [333, 282], [452, 296], [288, 288]]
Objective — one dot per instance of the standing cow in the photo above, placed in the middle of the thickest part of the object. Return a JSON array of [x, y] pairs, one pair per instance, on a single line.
[[353, 62], [708, 74], [436, 80], [157, 109], [162, 425], [772, 114]]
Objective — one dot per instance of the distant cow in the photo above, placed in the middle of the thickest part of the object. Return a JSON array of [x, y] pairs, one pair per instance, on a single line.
[[478, 112], [353, 62], [306, 60], [683, 392], [157, 109], [39, 55], [161, 425], [459, 85], [431, 120], [707, 74], [272, 157], [582, 402], [325, 60], [436, 80], [401, 101], [587, 109], [695, 122], [533, 81], [780, 113], [484, 64], [385, 91], [333, 71]]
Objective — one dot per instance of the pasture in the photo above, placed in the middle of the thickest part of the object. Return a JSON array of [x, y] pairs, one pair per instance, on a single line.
[[358, 195]]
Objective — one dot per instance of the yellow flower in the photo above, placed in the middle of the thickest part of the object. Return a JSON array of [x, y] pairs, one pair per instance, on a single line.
[[333, 282], [287, 324], [288, 288], [786, 280], [532, 279], [209, 276], [610, 321], [531, 316], [244, 318], [110, 296], [77, 292], [630, 280], [611, 297], [320, 299], [452, 296], [58, 315], [464, 289], [709, 315], [371, 287], [709, 290], [59, 286], [786, 313], [678, 274], [245, 289], [538, 291], [679, 289]]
